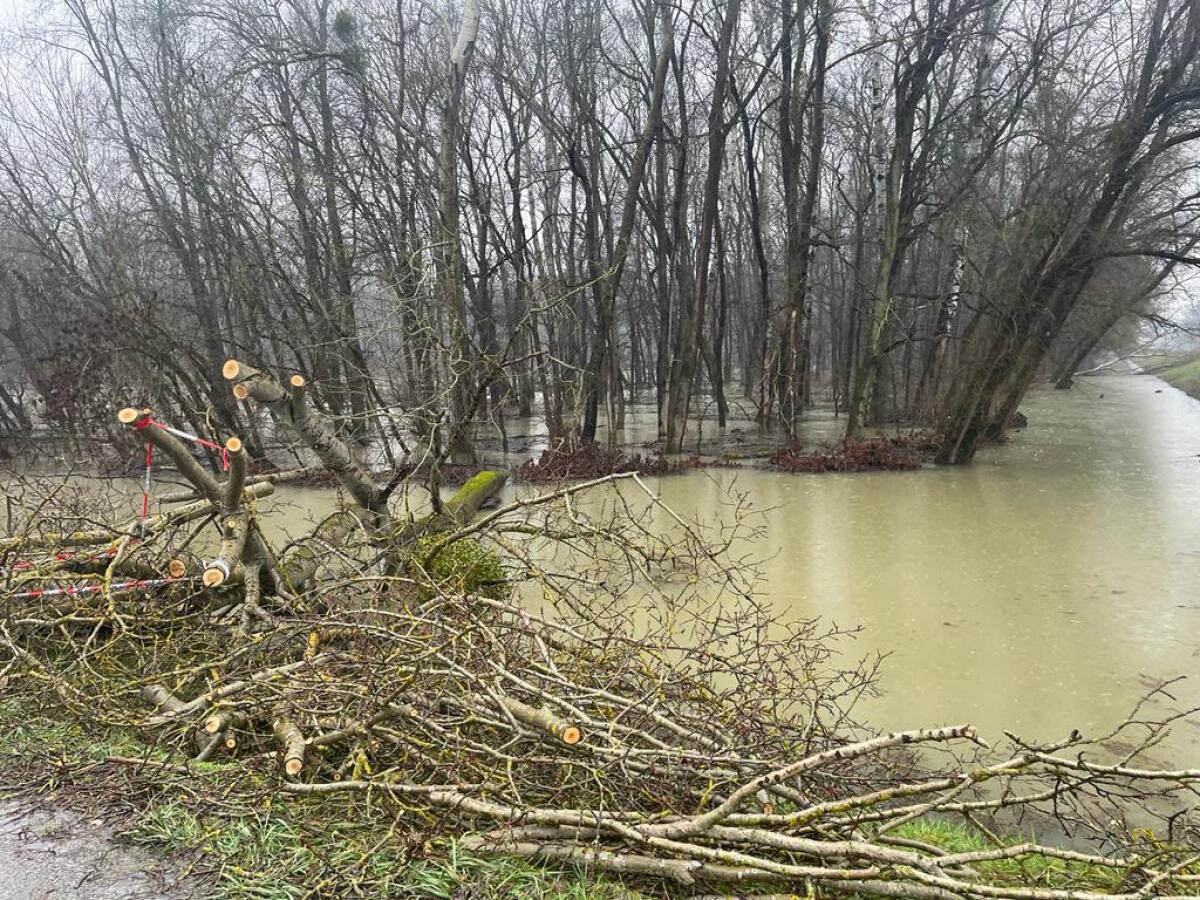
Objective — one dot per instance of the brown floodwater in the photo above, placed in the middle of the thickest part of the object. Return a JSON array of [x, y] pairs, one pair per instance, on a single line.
[[1044, 588]]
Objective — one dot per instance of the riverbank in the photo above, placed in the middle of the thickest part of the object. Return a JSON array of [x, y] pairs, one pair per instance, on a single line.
[[115, 817], [111, 818], [1184, 375]]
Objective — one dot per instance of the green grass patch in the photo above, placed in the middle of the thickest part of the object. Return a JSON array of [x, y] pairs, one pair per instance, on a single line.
[[255, 852], [266, 847], [1048, 872], [25, 737], [1185, 376]]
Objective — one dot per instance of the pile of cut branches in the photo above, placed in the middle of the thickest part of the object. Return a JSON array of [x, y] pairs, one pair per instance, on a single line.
[[880, 453], [579, 676], [590, 460]]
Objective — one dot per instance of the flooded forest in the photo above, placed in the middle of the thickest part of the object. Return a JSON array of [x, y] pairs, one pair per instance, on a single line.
[[602, 448]]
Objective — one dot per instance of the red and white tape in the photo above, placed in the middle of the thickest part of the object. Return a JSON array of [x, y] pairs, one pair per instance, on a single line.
[[147, 422], [81, 590]]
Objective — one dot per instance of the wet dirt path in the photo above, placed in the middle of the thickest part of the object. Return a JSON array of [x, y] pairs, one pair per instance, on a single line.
[[57, 854]]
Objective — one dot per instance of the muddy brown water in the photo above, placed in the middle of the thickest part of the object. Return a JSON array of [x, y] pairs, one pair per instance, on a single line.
[[1043, 589]]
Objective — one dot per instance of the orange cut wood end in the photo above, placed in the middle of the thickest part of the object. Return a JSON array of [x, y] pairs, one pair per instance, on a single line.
[[213, 577], [571, 735], [176, 568], [129, 415], [297, 381], [212, 724], [234, 445], [293, 766], [231, 369], [241, 391], [230, 742]]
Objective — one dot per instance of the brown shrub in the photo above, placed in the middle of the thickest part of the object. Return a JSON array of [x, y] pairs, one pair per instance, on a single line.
[[879, 453]]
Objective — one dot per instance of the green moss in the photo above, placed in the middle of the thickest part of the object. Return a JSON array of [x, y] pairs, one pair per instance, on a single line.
[[463, 567], [474, 491]]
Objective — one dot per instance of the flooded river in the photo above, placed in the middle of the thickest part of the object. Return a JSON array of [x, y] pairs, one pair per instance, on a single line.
[[1044, 588]]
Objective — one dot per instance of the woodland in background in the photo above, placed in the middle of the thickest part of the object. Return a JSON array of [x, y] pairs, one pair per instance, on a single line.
[[442, 214], [394, 225]]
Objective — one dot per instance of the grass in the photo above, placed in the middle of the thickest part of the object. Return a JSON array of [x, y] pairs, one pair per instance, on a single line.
[[1044, 871], [1185, 376], [262, 847], [255, 851], [267, 849]]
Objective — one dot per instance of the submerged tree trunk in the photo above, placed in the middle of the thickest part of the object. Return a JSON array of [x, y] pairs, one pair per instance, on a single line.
[[884, 185], [1009, 351], [947, 314], [603, 356], [450, 275], [896, 178], [800, 212], [694, 300]]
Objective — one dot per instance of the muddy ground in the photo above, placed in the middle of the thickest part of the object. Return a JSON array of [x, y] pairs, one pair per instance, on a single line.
[[57, 854]]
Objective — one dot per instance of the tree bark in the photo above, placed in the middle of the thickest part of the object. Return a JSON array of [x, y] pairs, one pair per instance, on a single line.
[[694, 301], [450, 274]]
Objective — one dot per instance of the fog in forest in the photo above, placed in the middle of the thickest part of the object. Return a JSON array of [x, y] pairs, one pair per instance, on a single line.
[[602, 448]]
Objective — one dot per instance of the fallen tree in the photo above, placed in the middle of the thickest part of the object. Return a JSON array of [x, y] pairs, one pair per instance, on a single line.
[[579, 676]]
